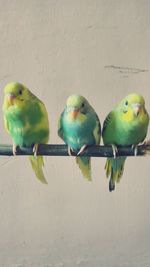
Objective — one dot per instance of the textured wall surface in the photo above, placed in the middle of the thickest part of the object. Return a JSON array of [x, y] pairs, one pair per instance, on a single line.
[[100, 49]]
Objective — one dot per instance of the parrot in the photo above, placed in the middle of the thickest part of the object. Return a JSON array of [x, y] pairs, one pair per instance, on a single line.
[[79, 127], [26, 120], [126, 125]]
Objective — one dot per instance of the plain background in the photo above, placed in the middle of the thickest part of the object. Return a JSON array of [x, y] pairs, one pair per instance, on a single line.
[[100, 49]]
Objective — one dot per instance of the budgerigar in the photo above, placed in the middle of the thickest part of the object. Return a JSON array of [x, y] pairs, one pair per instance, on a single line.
[[126, 125], [26, 120], [79, 127]]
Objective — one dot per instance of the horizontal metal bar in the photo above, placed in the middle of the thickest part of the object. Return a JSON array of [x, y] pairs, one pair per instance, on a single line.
[[62, 150]]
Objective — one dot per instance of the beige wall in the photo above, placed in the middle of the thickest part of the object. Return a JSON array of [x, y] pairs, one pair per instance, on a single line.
[[56, 48]]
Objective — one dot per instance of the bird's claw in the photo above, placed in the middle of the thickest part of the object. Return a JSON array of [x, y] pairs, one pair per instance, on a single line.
[[115, 150], [70, 150], [35, 149], [146, 142], [14, 150], [81, 150], [135, 148]]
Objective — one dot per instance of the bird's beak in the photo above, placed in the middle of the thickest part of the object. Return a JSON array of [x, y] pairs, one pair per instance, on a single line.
[[137, 108], [10, 98], [74, 113]]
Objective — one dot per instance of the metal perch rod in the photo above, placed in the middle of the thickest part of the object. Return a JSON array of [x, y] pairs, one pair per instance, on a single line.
[[62, 150]]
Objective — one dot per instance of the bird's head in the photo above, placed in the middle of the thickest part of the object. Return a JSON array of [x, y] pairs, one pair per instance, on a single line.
[[132, 106], [15, 93], [76, 105]]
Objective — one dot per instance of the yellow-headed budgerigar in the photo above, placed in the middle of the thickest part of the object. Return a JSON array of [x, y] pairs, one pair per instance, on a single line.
[[79, 127], [26, 120], [126, 125]]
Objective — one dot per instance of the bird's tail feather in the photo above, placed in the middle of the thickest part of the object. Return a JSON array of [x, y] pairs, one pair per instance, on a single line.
[[85, 166], [114, 170], [37, 165]]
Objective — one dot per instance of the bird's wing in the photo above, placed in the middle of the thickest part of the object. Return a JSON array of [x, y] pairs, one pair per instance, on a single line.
[[107, 121], [6, 124], [97, 131], [60, 129]]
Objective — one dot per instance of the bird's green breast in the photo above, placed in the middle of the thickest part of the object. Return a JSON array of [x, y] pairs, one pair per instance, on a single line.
[[78, 132], [123, 132], [24, 124]]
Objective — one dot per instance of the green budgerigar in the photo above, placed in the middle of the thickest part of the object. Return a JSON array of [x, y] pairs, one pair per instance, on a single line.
[[126, 125], [26, 120], [79, 127]]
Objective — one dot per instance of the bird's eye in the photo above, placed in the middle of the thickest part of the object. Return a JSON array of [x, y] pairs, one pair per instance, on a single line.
[[82, 105], [20, 92], [126, 103]]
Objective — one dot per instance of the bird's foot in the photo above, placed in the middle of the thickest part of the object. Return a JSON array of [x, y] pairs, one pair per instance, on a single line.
[[82, 149], [14, 149], [135, 148], [146, 142], [115, 150], [70, 150], [35, 149]]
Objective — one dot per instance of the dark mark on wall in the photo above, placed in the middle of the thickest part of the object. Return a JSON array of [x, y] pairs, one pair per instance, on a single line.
[[125, 70]]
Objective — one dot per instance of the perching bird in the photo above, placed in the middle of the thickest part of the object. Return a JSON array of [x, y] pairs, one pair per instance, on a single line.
[[79, 127], [26, 120], [126, 125]]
